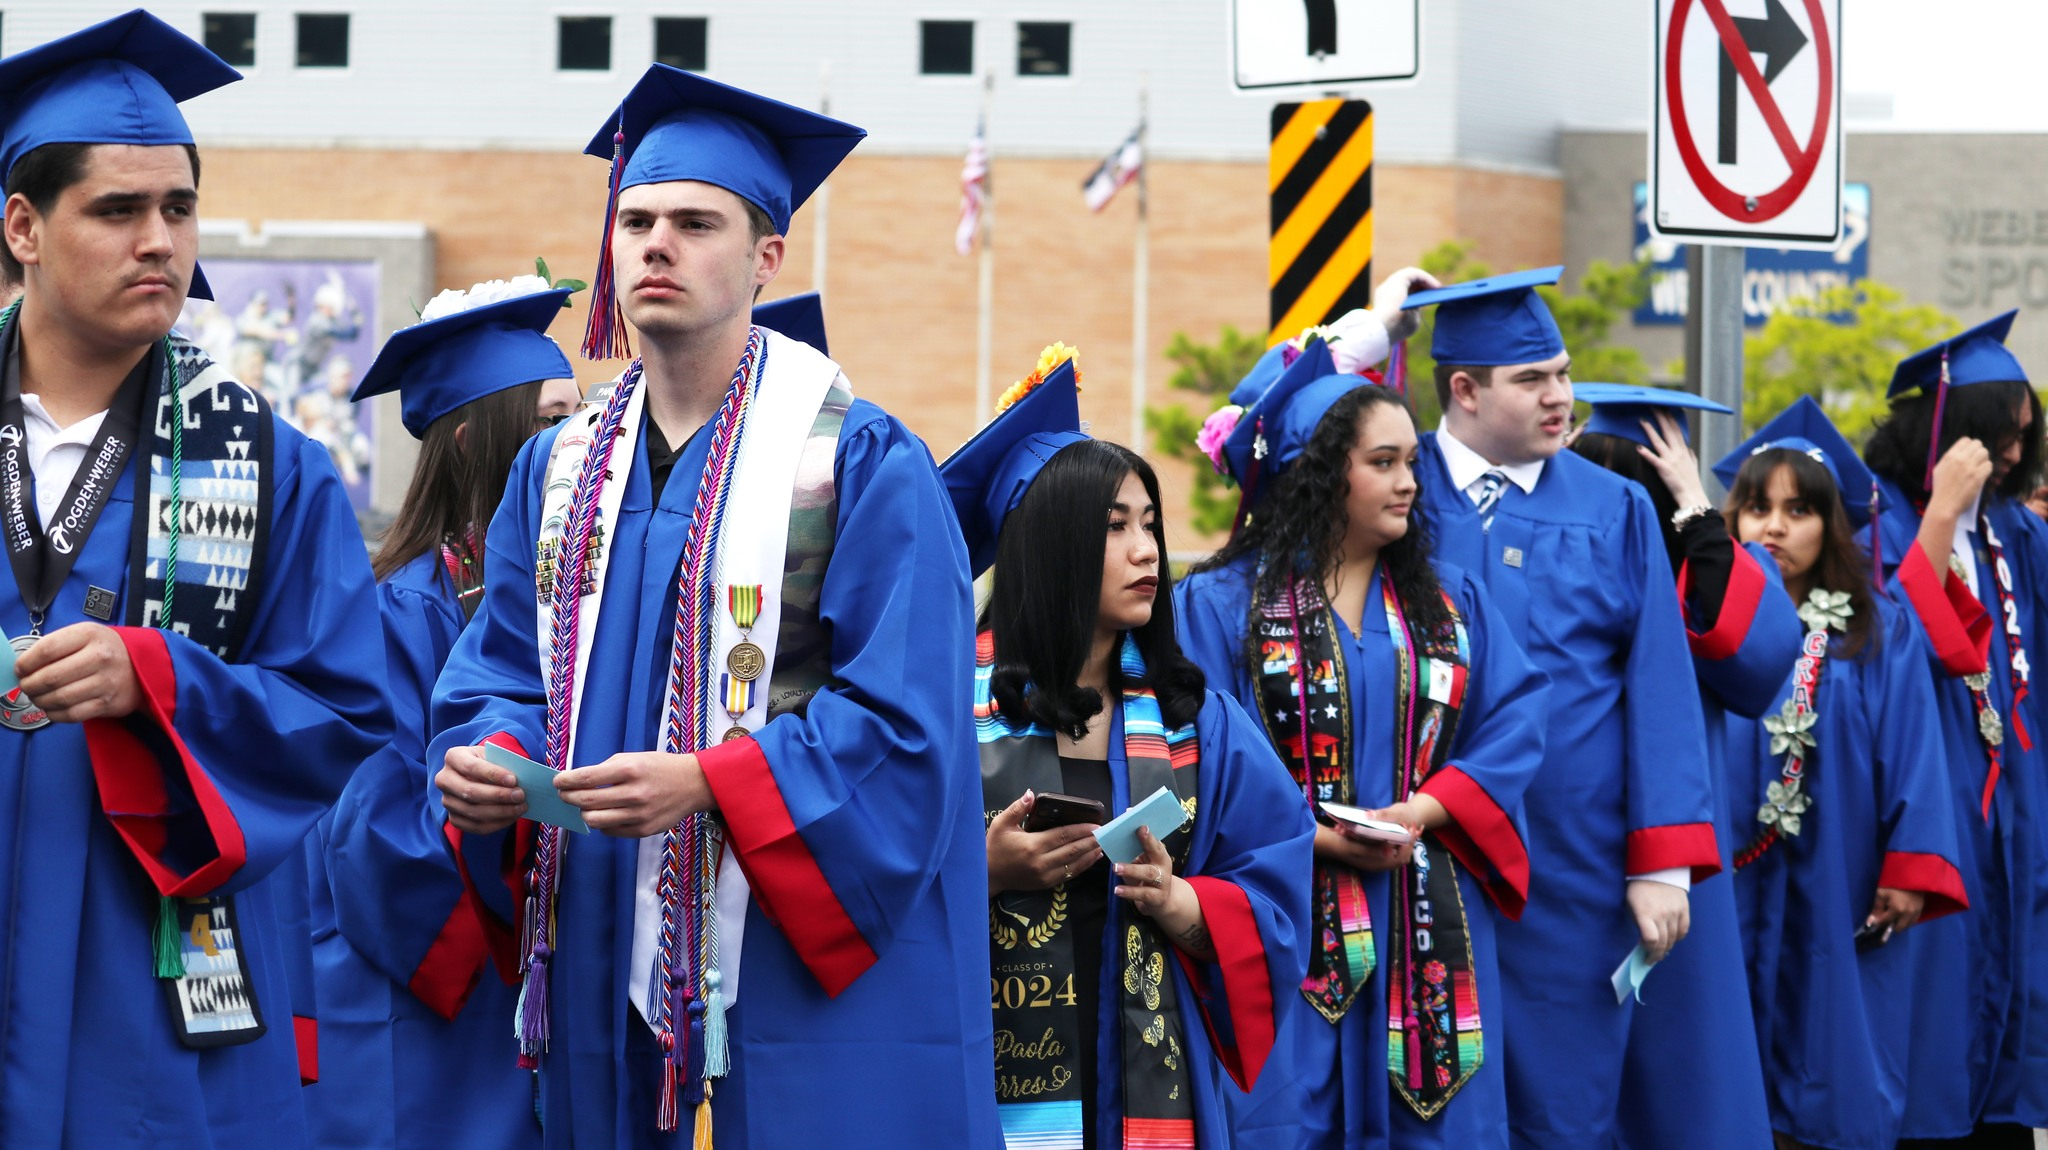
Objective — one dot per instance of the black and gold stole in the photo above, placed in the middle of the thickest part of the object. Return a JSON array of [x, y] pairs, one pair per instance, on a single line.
[[1031, 961]]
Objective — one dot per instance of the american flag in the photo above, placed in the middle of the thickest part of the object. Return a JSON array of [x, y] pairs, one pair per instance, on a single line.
[[973, 191], [1117, 169]]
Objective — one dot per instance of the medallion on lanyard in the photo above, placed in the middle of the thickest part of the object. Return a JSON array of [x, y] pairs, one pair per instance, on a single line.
[[17, 712], [745, 662]]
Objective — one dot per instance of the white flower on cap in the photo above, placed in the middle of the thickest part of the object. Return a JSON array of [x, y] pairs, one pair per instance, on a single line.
[[452, 302]]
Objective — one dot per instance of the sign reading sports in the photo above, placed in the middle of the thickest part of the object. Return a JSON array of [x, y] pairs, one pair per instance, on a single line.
[[1746, 147], [1319, 178]]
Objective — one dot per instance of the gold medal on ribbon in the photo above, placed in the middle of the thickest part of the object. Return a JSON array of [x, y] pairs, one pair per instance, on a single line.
[[745, 660], [735, 732]]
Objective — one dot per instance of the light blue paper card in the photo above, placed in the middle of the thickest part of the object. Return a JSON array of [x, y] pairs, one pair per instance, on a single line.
[[544, 803], [1160, 810], [1629, 976]]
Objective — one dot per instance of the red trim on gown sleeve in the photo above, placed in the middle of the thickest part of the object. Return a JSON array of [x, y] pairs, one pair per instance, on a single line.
[[1931, 875], [501, 939], [1746, 583], [1247, 982], [1683, 844], [1482, 837], [131, 776], [306, 1036], [785, 878], [448, 972], [1952, 617]]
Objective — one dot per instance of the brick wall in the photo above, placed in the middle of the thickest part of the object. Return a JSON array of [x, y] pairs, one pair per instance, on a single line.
[[901, 304]]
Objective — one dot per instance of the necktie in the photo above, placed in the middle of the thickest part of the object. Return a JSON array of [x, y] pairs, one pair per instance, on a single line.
[[1491, 485]]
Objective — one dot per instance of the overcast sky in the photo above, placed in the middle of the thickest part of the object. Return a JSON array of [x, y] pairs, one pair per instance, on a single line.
[[1951, 66]]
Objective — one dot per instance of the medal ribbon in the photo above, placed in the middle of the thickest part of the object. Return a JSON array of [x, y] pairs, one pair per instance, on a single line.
[[1989, 727], [1435, 1042]]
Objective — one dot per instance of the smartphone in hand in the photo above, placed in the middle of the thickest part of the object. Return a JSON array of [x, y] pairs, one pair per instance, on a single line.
[[1053, 810]]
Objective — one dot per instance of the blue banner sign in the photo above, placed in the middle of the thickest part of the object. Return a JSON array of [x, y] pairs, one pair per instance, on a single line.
[[1772, 279]]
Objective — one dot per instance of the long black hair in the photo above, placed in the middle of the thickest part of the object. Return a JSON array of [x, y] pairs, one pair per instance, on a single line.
[[1979, 411], [458, 485], [1842, 565], [1297, 530], [1047, 596], [1619, 455]]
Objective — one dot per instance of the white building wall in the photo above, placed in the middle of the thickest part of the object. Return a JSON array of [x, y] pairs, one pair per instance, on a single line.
[[1499, 78]]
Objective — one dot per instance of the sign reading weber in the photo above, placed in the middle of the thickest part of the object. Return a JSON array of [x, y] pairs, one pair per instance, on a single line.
[[1326, 43], [1746, 147]]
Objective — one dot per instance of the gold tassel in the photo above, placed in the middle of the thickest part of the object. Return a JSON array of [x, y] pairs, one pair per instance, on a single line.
[[702, 1138]]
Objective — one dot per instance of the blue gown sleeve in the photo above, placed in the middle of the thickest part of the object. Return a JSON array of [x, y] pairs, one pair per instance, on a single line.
[[1259, 839], [398, 896], [1916, 815], [1500, 741], [1665, 773], [1747, 653], [840, 816], [225, 767]]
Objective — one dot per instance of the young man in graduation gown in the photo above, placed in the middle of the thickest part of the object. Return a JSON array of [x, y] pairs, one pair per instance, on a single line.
[[1619, 816], [731, 607], [1952, 459], [190, 676]]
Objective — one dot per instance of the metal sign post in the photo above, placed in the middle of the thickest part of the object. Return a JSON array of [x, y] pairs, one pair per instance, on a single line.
[[1713, 348]]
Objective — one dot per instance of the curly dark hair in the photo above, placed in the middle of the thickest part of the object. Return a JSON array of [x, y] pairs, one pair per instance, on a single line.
[[1297, 528], [1047, 593], [1980, 411], [1842, 565]]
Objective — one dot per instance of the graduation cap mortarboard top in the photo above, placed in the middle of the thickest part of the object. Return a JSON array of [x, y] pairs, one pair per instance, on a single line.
[[1805, 428], [677, 125], [118, 82], [1260, 442], [467, 345], [1621, 409], [1978, 355], [800, 317], [1493, 321], [987, 477]]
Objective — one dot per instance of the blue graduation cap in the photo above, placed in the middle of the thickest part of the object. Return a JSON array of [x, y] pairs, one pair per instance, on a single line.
[[1494, 321], [1261, 376], [440, 364], [988, 476], [677, 125], [1978, 355], [1621, 409], [1804, 427], [1275, 430], [117, 82], [800, 317]]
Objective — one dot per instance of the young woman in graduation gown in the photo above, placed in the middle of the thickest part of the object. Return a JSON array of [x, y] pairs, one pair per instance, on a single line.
[[1133, 993], [1691, 1050], [1326, 616], [1960, 446], [1842, 825], [415, 1017]]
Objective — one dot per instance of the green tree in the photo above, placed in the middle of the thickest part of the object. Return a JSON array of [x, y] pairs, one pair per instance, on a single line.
[[1209, 371], [1844, 366]]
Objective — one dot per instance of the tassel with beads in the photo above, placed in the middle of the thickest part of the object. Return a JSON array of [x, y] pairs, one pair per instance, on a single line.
[[665, 1113], [170, 946], [604, 335]]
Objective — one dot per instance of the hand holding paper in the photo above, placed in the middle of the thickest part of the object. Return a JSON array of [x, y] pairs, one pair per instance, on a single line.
[[543, 802], [1160, 811]]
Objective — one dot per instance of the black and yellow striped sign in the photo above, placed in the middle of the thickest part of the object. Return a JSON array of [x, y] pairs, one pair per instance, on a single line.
[[1319, 175]]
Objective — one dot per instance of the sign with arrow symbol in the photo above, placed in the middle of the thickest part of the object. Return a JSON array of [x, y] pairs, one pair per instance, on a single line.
[[1325, 43], [1764, 168]]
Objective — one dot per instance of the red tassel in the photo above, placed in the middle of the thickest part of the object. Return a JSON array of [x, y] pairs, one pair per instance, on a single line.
[[604, 336], [665, 1118]]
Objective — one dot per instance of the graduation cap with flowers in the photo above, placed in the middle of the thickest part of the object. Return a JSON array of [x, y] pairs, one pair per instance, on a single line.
[[1037, 417], [467, 345], [117, 82], [677, 125]]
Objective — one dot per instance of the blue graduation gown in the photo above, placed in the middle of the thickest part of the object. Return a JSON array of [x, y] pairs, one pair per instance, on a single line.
[[258, 750], [1972, 1058], [1328, 1085], [1833, 1021], [1692, 1049], [1252, 837], [866, 946], [1624, 787], [415, 1021]]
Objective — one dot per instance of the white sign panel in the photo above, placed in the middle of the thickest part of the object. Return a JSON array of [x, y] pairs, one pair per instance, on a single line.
[[1747, 145], [1326, 43]]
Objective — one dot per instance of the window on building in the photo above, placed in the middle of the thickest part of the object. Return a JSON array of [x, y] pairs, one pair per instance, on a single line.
[[583, 43], [1043, 49], [323, 40], [948, 48], [682, 42], [231, 36]]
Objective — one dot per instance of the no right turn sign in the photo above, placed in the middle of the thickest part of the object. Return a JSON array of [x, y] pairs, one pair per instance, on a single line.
[[1747, 143]]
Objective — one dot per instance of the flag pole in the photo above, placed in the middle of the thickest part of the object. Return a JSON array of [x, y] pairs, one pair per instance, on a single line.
[[984, 395], [1141, 279], [821, 203]]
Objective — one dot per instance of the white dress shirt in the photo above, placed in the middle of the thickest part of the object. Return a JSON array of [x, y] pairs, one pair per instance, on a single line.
[[54, 453]]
